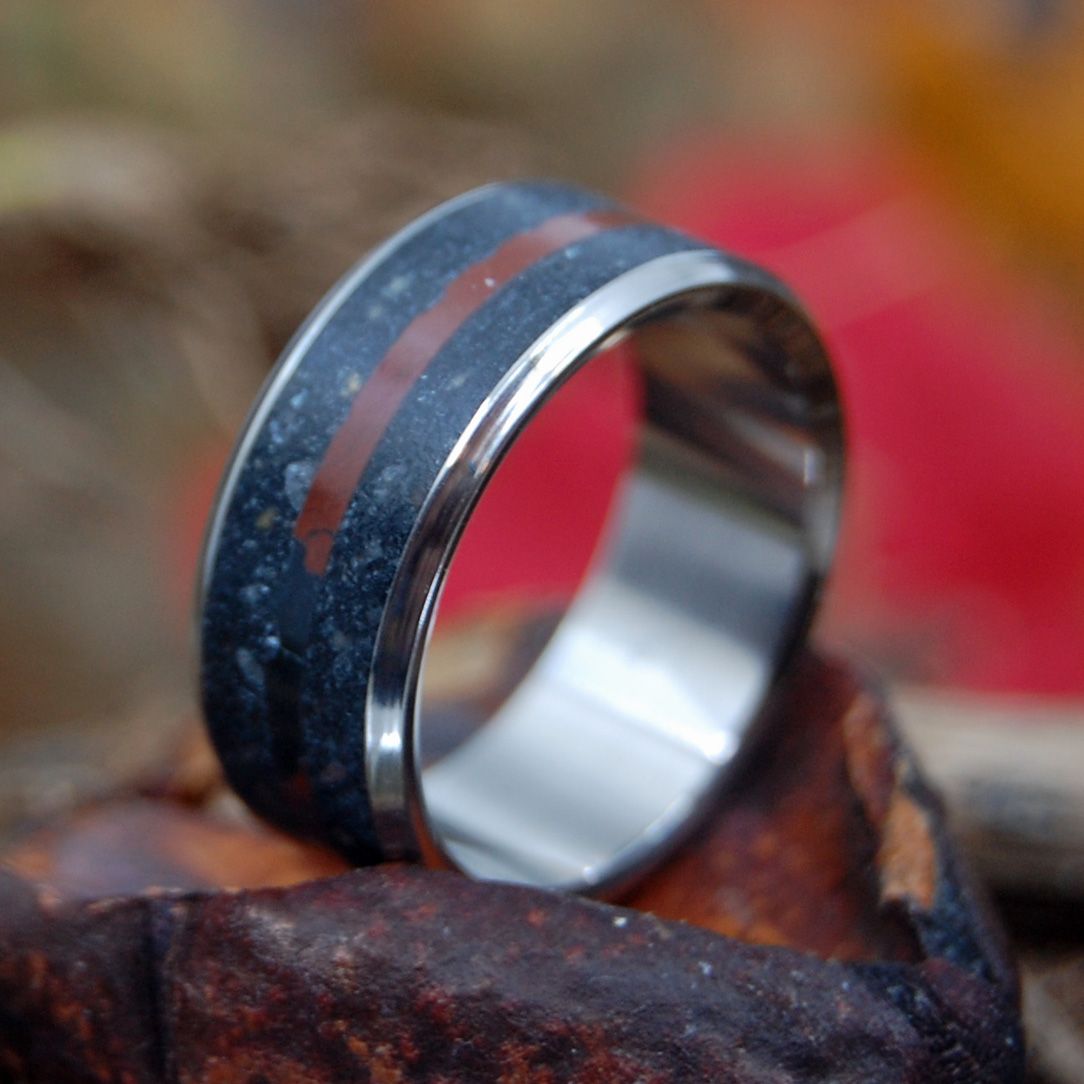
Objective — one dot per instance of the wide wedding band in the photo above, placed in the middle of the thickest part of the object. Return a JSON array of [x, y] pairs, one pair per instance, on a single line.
[[365, 455]]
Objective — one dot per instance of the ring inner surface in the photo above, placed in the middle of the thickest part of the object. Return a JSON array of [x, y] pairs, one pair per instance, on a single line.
[[621, 730]]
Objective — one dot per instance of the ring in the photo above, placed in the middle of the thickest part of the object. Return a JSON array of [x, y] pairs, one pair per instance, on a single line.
[[364, 457]]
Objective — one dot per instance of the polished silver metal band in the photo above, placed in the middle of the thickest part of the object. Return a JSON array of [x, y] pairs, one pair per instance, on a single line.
[[618, 737]]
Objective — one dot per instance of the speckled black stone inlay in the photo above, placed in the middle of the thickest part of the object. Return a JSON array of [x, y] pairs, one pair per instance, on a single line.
[[286, 653]]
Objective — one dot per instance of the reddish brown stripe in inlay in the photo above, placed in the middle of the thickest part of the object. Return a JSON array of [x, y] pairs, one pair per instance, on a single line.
[[382, 395]]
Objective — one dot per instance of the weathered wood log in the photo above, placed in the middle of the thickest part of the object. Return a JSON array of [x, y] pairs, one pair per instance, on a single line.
[[837, 938], [1009, 770]]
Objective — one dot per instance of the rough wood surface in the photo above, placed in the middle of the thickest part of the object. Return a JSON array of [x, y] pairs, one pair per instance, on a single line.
[[819, 928]]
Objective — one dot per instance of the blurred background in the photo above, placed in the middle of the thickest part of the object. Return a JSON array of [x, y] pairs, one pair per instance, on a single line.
[[180, 183]]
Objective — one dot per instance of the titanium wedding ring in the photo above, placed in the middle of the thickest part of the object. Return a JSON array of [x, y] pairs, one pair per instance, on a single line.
[[363, 459]]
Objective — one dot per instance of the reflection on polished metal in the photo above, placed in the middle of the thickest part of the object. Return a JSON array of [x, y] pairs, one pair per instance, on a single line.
[[363, 460]]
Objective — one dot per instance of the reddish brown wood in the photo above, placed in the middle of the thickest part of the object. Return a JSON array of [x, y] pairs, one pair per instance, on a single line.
[[855, 947]]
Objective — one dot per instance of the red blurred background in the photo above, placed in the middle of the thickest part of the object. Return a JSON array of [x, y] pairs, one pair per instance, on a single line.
[[176, 190]]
